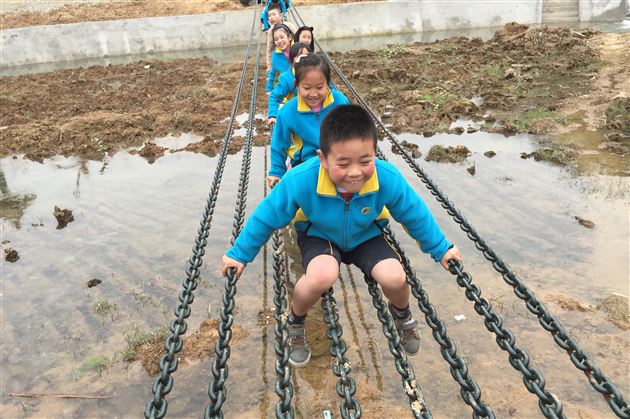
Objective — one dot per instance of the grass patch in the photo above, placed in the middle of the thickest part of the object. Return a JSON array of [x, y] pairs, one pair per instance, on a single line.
[[496, 72], [103, 308], [447, 48], [435, 101], [391, 51], [136, 337], [96, 363]]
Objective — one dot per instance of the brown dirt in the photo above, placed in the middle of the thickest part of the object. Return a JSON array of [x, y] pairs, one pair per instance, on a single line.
[[63, 216], [616, 307], [528, 79], [11, 255], [569, 304], [130, 9], [199, 345]]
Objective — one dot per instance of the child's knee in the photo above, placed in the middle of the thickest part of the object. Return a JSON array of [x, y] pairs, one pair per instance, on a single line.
[[323, 270], [390, 272]]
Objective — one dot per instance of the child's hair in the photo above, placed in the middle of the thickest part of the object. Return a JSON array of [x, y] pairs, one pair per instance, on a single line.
[[283, 27], [295, 50], [274, 6], [311, 62], [343, 123], [301, 29]]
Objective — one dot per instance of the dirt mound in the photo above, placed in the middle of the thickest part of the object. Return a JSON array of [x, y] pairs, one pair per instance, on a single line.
[[199, 345]]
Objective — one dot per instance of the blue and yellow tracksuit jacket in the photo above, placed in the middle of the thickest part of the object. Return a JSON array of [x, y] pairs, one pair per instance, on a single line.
[[285, 90], [279, 64], [308, 196], [284, 5], [296, 133]]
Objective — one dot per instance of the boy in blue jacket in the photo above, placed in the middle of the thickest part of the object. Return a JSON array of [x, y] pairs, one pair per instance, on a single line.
[[339, 203]]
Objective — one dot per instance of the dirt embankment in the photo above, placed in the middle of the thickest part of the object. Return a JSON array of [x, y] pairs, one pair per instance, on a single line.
[[18, 17], [522, 80]]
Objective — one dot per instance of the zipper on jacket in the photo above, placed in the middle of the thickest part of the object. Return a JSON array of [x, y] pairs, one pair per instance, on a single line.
[[346, 207]]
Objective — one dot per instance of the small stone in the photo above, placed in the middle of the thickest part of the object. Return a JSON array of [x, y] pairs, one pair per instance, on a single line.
[[525, 155], [490, 154], [428, 134], [615, 136], [459, 317], [93, 282], [472, 170], [584, 222], [489, 118], [356, 74], [458, 130], [11, 255], [470, 130]]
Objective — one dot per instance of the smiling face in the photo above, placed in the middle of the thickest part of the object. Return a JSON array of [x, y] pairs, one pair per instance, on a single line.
[[313, 87], [306, 37], [281, 39], [350, 163]]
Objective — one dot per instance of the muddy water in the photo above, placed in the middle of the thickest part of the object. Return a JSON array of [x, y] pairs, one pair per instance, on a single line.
[[135, 224]]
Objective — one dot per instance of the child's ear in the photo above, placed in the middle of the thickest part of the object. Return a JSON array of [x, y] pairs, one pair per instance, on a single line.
[[322, 159]]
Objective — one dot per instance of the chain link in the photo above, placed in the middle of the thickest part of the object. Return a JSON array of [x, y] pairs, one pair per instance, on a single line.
[[216, 389], [346, 387], [470, 392], [411, 387], [548, 403], [156, 408], [599, 381]]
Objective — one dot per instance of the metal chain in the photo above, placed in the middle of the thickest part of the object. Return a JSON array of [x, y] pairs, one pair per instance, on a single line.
[[598, 380], [216, 389], [548, 403], [410, 385], [156, 407], [470, 392], [346, 387], [284, 388]]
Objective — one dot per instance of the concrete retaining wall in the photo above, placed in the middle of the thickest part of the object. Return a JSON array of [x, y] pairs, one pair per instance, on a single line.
[[603, 10], [89, 40]]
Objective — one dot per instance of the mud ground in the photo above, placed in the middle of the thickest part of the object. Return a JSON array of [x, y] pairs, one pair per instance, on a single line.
[[17, 17], [525, 79]]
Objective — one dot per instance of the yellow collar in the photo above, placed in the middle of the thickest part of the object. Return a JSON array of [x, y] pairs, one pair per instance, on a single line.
[[303, 107], [325, 185]]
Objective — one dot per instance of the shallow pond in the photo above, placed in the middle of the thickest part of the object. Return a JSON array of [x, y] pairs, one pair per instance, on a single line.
[[134, 227]]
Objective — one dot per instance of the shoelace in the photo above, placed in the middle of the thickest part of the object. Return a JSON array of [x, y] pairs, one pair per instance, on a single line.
[[298, 340]]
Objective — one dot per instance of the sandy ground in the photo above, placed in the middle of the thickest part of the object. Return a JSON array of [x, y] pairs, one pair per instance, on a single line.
[[20, 13], [536, 80]]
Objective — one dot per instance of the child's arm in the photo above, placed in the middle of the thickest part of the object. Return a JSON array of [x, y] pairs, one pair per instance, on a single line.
[[278, 94], [408, 209], [274, 212], [271, 76], [280, 142]]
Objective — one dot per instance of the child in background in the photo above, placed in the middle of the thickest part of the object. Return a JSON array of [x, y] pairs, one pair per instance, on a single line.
[[274, 15], [304, 34], [338, 202], [296, 133], [283, 39], [284, 5], [285, 88]]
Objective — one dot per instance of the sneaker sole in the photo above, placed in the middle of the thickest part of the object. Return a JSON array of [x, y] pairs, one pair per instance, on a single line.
[[299, 364]]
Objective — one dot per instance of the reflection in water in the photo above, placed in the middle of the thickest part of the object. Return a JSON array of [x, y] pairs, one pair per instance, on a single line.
[[13, 205]]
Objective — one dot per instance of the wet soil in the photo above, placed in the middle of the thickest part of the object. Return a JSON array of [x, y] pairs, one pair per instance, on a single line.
[[522, 80], [450, 154], [11, 255], [198, 345], [63, 216], [115, 9]]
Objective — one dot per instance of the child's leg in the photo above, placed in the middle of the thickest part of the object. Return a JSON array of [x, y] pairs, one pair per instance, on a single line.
[[390, 275], [321, 273]]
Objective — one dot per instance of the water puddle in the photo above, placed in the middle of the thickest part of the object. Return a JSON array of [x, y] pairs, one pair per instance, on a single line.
[[176, 143], [135, 223]]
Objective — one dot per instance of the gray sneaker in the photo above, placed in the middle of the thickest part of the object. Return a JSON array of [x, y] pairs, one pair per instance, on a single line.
[[299, 351], [407, 328]]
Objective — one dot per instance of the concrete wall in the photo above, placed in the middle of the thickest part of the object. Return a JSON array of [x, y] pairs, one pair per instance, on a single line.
[[90, 40], [603, 10]]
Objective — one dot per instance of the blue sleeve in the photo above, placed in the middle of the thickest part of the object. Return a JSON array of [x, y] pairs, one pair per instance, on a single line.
[[283, 7], [264, 18], [280, 142], [343, 100], [410, 210], [278, 94], [274, 212], [271, 76]]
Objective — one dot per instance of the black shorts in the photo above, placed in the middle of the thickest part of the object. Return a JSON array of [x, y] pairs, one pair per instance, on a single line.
[[365, 256]]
